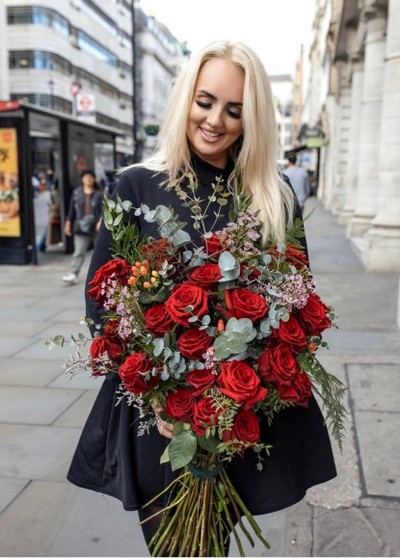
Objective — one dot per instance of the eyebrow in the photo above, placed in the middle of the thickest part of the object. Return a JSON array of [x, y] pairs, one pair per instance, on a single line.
[[208, 94]]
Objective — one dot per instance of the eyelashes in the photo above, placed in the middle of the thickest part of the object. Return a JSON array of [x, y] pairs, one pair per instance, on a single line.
[[231, 112]]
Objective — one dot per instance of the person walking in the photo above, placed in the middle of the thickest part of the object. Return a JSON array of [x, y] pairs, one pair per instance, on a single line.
[[299, 179], [83, 221], [219, 119]]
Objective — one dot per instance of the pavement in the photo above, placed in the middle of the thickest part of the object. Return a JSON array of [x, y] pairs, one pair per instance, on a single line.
[[42, 413]]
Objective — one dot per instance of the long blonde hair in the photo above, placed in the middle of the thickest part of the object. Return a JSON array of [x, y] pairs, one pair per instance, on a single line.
[[256, 152]]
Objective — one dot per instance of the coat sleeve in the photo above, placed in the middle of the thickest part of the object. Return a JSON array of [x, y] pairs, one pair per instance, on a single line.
[[298, 214]]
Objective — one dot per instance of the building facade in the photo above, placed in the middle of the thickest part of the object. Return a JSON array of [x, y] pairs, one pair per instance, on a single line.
[[355, 86], [106, 62]]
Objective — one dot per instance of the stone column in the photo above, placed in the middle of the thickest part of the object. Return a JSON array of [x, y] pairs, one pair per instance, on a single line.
[[371, 105], [382, 241], [357, 76]]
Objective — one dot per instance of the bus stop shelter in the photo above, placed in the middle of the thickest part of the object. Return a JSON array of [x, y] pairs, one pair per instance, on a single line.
[[24, 129]]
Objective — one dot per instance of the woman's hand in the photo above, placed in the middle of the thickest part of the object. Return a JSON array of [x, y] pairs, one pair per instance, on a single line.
[[164, 428]]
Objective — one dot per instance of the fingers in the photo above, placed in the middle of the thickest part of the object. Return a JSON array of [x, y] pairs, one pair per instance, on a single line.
[[164, 428]]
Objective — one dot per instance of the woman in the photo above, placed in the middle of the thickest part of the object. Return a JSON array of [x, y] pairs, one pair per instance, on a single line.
[[220, 115]]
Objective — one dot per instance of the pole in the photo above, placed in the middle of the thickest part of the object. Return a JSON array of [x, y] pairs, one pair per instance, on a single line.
[[134, 92]]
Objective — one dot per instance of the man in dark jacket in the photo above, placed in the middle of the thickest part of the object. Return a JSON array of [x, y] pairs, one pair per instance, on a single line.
[[83, 221]]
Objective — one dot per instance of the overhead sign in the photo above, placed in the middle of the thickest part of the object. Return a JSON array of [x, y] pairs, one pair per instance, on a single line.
[[9, 105]]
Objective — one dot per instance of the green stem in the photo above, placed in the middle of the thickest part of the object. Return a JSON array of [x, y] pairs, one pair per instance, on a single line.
[[245, 510], [230, 521], [232, 501]]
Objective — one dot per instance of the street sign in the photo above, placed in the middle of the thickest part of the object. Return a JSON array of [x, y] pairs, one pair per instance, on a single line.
[[85, 106], [74, 89]]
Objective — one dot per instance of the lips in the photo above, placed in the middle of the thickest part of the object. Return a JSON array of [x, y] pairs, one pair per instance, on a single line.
[[209, 136]]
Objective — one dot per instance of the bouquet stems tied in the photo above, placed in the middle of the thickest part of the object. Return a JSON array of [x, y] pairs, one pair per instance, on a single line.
[[203, 510]]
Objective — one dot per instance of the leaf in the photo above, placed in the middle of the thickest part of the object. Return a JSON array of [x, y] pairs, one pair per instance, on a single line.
[[165, 456], [209, 443], [182, 449], [181, 238]]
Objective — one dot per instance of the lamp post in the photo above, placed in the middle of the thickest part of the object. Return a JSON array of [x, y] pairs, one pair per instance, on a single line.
[[134, 94], [51, 87]]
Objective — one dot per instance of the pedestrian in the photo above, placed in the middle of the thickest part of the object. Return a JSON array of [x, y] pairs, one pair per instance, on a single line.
[[111, 182], [299, 179], [83, 221], [51, 234], [219, 117]]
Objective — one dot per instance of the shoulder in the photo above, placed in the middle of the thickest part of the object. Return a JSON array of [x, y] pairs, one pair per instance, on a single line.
[[139, 174], [139, 182]]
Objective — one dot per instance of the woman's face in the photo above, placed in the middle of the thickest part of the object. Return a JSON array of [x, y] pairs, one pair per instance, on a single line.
[[215, 116]]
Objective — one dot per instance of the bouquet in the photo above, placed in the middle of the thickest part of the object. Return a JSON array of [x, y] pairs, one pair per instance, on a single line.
[[213, 337]]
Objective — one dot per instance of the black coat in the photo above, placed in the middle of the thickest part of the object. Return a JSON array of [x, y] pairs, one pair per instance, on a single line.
[[112, 459]]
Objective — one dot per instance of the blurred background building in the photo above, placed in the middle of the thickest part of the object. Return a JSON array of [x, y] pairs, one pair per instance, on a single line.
[[110, 67]]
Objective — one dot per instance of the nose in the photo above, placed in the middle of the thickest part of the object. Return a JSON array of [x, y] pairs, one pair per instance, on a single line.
[[214, 118]]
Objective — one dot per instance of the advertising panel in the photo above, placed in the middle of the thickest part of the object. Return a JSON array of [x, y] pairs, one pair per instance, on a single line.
[[10, 220]]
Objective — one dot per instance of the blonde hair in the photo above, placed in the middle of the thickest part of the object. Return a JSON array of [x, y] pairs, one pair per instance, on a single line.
[[256, 152]]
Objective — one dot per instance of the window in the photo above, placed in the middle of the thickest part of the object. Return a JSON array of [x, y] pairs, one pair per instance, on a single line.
[[96, 49], [38, 15]]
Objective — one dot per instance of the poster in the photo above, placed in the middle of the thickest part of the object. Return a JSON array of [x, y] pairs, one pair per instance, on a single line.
[[10, 221]]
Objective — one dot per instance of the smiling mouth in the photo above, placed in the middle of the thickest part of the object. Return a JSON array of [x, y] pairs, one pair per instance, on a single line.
[[210, 135]]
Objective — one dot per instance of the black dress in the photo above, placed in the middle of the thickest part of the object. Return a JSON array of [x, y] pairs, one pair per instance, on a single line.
[[110, 458]]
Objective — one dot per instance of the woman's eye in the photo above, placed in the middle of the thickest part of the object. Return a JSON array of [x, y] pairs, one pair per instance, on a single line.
[[203, 104], [234, 114]]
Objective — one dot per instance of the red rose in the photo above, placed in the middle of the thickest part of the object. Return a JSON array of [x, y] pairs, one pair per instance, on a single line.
[[193, 343], [158, 320], [313, 317], [135, 372], [204, 415], [278, 365], [213, 245], [294, 254], [111, 327], [298, 392], [241, 383], [242, 303], [179, 405], [291, 333], [200, 380], [246, 428], [187, 295], [205, 276], [116, 268], [101, 345]]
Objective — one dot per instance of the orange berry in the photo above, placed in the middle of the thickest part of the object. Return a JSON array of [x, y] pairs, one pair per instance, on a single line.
[[143, 270], [132, 280], [145, 263], [146, 284], [134, 269], [153, 280], [220, 325]]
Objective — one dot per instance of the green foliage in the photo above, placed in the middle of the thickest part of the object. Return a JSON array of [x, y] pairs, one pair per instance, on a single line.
[[182, 449], [331, 390]]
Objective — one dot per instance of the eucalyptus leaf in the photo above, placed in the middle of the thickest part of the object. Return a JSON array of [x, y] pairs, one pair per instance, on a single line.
[[158, 344], [181, 238]]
